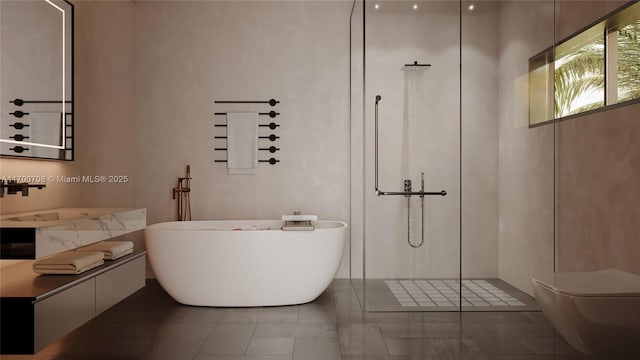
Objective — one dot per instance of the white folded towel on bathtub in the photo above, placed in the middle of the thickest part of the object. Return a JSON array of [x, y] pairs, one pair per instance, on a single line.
[[299, 217]]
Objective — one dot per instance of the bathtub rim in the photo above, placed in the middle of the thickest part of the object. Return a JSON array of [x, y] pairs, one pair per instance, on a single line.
[[276, 224]]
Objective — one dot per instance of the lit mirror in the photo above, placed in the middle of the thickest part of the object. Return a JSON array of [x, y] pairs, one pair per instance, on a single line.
[[36, 79]]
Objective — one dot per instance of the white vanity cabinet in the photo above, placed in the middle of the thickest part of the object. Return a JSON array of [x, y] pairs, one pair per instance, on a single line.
[[115, 285], [61, 313], [40, 309]]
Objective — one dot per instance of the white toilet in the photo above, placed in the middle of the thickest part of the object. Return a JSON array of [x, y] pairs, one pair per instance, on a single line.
[[596, 312]]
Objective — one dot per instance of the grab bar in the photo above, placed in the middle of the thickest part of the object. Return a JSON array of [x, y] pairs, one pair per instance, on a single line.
[[378, 98], [405, 193]]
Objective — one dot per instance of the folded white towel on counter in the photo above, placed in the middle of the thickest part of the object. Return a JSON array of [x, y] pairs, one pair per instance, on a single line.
[[112, 250], [299, 217], [68, 262]]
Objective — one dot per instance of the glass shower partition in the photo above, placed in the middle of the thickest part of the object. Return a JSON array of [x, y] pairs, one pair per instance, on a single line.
[[435, 88]]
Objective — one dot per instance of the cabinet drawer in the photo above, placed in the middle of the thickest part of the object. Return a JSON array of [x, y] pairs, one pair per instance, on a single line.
[[59, 314], [118, 283]]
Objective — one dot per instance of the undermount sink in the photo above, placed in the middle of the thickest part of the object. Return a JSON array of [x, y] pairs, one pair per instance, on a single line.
[[32, 235]]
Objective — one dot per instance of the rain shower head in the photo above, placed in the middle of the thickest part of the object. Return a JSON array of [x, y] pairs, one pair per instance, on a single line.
[[378, 98], [415, 63]]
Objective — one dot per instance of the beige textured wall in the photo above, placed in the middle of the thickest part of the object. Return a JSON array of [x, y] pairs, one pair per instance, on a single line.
[[574, 15], [189, 54], [526, 198], [598, 193], [480, 99], [105, 100], [598, 175]]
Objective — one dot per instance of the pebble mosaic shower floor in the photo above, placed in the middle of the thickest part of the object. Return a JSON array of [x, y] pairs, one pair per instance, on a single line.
[[446, 293]]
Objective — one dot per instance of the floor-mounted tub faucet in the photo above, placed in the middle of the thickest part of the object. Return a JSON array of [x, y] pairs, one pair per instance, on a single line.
[[182, 191]]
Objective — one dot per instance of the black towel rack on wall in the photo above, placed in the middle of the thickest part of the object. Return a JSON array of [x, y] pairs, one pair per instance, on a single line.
[[20, 102], [23, 114], [271, 125], [272, 137], [272, 102], [20, 114], [271, 161], [272, 114]]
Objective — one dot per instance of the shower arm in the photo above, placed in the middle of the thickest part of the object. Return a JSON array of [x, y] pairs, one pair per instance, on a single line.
[[405, 193]]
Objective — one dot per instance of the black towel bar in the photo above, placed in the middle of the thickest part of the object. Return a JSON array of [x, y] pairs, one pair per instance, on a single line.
[[271, 126], [271, 102], [271, 137], [271, 161], [20, 114], [20, 102], [19, 125], [271, 114], [19, 149], [271, 149], [18, 137]]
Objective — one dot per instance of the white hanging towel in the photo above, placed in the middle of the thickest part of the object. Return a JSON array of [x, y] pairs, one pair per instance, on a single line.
[[242, 143]]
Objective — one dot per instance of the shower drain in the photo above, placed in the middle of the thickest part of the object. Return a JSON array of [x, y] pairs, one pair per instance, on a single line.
[[447, 293]]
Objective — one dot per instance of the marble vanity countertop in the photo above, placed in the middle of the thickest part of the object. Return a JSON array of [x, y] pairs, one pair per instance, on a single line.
[[57, 217], [57, 230]]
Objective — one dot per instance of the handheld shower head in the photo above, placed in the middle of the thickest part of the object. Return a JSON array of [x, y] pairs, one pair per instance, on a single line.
[[378, 98]]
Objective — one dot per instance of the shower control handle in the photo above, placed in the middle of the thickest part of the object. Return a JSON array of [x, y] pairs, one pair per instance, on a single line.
[[407, 187]]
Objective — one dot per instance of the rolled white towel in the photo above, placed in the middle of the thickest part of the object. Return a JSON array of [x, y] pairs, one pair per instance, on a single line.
[[68, 262], [111, 249], [299, 217]]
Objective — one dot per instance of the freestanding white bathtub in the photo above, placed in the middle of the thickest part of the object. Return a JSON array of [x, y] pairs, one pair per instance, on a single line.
[[244, 263]]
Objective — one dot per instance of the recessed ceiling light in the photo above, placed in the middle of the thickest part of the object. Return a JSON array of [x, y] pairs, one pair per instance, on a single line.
[[376, 6], [471, 7], [415, 6]]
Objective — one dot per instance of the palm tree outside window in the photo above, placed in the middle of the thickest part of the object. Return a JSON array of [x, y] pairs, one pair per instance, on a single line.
[[595, 68]]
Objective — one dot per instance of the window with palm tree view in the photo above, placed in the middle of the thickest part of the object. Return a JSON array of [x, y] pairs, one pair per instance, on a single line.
[[595, 68], [629, 62]]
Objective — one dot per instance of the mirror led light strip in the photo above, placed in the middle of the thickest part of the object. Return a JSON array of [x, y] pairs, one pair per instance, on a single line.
[[64, 94]]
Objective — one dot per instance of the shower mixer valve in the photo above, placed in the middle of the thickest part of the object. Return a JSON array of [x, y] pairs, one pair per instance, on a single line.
[[407, 187]]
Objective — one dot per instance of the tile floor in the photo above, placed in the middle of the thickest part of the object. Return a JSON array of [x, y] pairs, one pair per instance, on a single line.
[[151, 325]]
